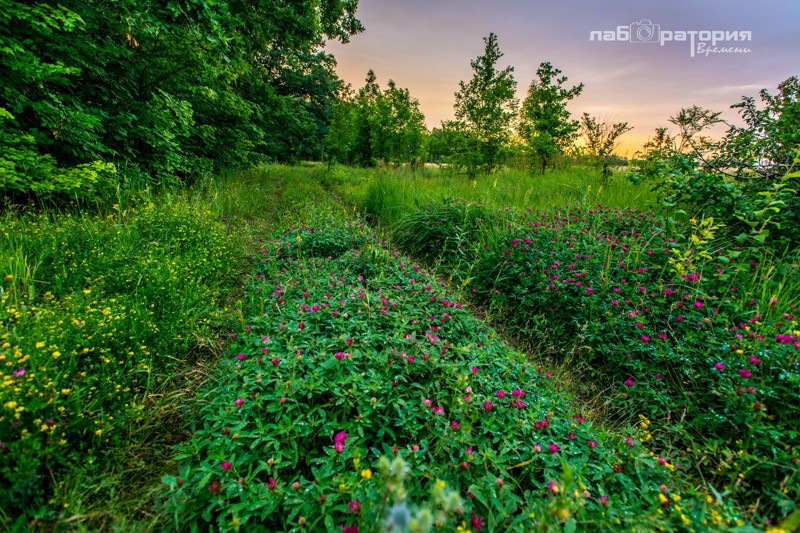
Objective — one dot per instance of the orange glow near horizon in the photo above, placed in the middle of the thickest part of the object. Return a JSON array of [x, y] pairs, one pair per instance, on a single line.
[[427, 46]]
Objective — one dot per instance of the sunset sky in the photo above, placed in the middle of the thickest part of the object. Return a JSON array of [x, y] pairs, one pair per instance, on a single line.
[[427, 46]]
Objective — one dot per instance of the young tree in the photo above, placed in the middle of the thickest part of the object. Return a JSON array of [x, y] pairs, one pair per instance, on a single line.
[[377, 126], [366, 102], [600, 138], [403, 125], [485, 107], [545, 123]]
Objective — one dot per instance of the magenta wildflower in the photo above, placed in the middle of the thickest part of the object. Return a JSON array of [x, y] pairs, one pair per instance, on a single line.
[[226, 465], [629, 382], [354, 506], [592, 444], [552, 487], [338, 441], [272, 483], [454, 425], [238, 402], [426, 402], [645, 338], [603, 500], [488, 406], [476, 521], [744, 373], [241, 357], [537, 447], [18, 373], [500, 394], [474, 369], [719, 366], [629, 441], [753, 360], [516, 393], [553, 447]]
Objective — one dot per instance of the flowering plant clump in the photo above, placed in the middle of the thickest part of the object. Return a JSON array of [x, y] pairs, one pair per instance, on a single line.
[[679, 328], [416, 399], [93, 312]]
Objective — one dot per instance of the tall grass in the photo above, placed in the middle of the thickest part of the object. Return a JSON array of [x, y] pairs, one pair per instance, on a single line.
[[388, 194], [108, 321]]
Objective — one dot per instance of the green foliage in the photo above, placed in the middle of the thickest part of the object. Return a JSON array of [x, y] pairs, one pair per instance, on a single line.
[[390, 194], [740, 179], [91, 329], [449, 228], [544, 120], [375, 126], [680, 328], [25, 171], [106, 322], [361, 395], [484, 108], [165, 92]]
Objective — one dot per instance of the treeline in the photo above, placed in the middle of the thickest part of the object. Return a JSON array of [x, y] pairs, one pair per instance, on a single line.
[[94, 92], [491, 128]]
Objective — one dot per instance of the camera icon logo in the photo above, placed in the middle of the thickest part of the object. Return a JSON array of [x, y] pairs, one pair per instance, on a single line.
[[644, 31]]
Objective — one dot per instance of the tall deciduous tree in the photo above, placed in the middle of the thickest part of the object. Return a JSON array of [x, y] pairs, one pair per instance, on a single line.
[[377, 126], [545, 123], [161, 90], [485, 108]]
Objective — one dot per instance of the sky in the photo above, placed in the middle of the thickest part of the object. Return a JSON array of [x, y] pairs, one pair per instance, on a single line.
[[427, 45]]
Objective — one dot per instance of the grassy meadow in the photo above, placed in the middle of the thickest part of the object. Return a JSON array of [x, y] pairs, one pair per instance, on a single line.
[[336, 349], [389, 193]]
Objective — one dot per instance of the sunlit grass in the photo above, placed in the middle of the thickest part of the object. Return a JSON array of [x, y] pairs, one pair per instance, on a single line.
[[109, 320], [389, 193]]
